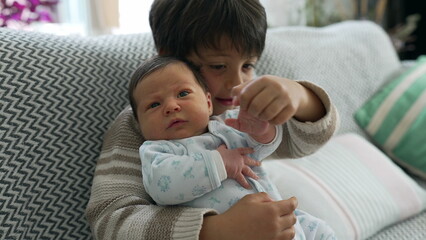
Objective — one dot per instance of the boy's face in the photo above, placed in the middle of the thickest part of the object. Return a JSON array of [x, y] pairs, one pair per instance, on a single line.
[[171, 104], [223, 68]]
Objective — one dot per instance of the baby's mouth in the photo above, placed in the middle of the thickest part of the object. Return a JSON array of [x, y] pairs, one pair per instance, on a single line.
[[176, 123]]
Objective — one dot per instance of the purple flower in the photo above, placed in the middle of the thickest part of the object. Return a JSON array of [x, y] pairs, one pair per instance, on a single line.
[[25, 12]]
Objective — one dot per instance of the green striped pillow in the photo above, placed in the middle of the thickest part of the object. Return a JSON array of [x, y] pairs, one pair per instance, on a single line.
[[395, 118]]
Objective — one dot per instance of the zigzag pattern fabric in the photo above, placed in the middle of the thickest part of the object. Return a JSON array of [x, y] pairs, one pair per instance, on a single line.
[[58, 95]]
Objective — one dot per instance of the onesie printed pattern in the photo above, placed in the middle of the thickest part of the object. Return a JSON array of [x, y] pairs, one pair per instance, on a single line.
[[190, 172]]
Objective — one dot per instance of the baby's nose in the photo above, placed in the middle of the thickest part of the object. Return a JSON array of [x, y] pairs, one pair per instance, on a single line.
[[172, 107]]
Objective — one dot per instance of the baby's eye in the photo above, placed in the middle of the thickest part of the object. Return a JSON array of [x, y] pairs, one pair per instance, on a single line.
[[183, 93], [154, 105]]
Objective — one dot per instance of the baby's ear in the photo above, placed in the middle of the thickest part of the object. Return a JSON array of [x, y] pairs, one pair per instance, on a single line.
[[209, 103]]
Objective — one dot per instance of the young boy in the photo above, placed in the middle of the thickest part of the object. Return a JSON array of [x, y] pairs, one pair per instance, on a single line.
[[183, 158], [224, 38]]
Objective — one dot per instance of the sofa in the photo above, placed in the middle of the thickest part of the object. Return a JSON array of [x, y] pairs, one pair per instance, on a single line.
[[60, 93]]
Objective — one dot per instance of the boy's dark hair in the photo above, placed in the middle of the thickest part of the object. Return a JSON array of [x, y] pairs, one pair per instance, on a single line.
[[152, 65], [179, 27]]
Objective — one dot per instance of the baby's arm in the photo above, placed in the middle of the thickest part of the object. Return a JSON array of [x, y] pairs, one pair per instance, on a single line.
[[172, 178], [264, 137]]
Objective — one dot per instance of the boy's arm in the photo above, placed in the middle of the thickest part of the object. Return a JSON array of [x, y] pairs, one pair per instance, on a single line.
[[172, 178], [305, 111], [304, 138]]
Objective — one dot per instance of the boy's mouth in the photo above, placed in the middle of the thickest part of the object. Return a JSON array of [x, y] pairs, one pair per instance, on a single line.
[[225, 101], [176, 123]]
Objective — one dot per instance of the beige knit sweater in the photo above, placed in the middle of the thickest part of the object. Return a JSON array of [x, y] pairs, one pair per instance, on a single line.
[[120, 208]]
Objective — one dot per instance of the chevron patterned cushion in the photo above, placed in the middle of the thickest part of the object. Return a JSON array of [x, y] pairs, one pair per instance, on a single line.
[[58, 95]]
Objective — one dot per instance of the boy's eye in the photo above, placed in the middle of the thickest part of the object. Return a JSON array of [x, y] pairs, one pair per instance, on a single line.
[[248, 65], [217, 67], [183, 93], [154, 105]]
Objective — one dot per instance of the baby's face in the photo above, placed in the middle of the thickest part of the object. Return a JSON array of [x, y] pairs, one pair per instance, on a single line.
[[171, 104]]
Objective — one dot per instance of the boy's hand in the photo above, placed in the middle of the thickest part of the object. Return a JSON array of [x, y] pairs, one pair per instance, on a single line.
[[237, 164], [255, 216], [276, 100]]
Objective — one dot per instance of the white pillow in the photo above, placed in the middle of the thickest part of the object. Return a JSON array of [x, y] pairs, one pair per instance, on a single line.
[[351, 185]]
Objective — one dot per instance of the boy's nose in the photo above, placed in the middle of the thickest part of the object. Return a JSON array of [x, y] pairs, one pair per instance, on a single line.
[[234, 79]]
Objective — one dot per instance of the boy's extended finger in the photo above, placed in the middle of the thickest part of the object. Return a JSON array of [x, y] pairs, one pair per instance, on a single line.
[[236, 91], [235, 100]]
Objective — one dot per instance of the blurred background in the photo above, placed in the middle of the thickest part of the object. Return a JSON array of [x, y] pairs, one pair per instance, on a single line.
[[403, 20]]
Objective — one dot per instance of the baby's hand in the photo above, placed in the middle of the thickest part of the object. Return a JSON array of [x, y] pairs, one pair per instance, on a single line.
[[237, 164], [249, 124]]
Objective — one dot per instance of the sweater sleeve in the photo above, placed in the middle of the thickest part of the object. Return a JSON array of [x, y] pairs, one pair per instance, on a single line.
[[304, 138], [119, 207]]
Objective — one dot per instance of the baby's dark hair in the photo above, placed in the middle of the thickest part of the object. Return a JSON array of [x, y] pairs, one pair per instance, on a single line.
[[154, 64], [180, 27]]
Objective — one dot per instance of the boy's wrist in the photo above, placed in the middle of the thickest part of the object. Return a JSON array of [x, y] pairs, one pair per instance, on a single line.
[[311, 107], [210, 228]]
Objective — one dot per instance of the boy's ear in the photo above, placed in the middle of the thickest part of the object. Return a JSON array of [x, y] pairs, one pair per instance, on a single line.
[[209, 103]]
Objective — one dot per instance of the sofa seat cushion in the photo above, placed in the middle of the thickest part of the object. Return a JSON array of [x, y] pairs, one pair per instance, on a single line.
[[351, 185]]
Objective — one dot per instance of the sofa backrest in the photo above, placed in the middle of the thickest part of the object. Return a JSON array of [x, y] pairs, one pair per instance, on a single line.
[[59, 94]]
